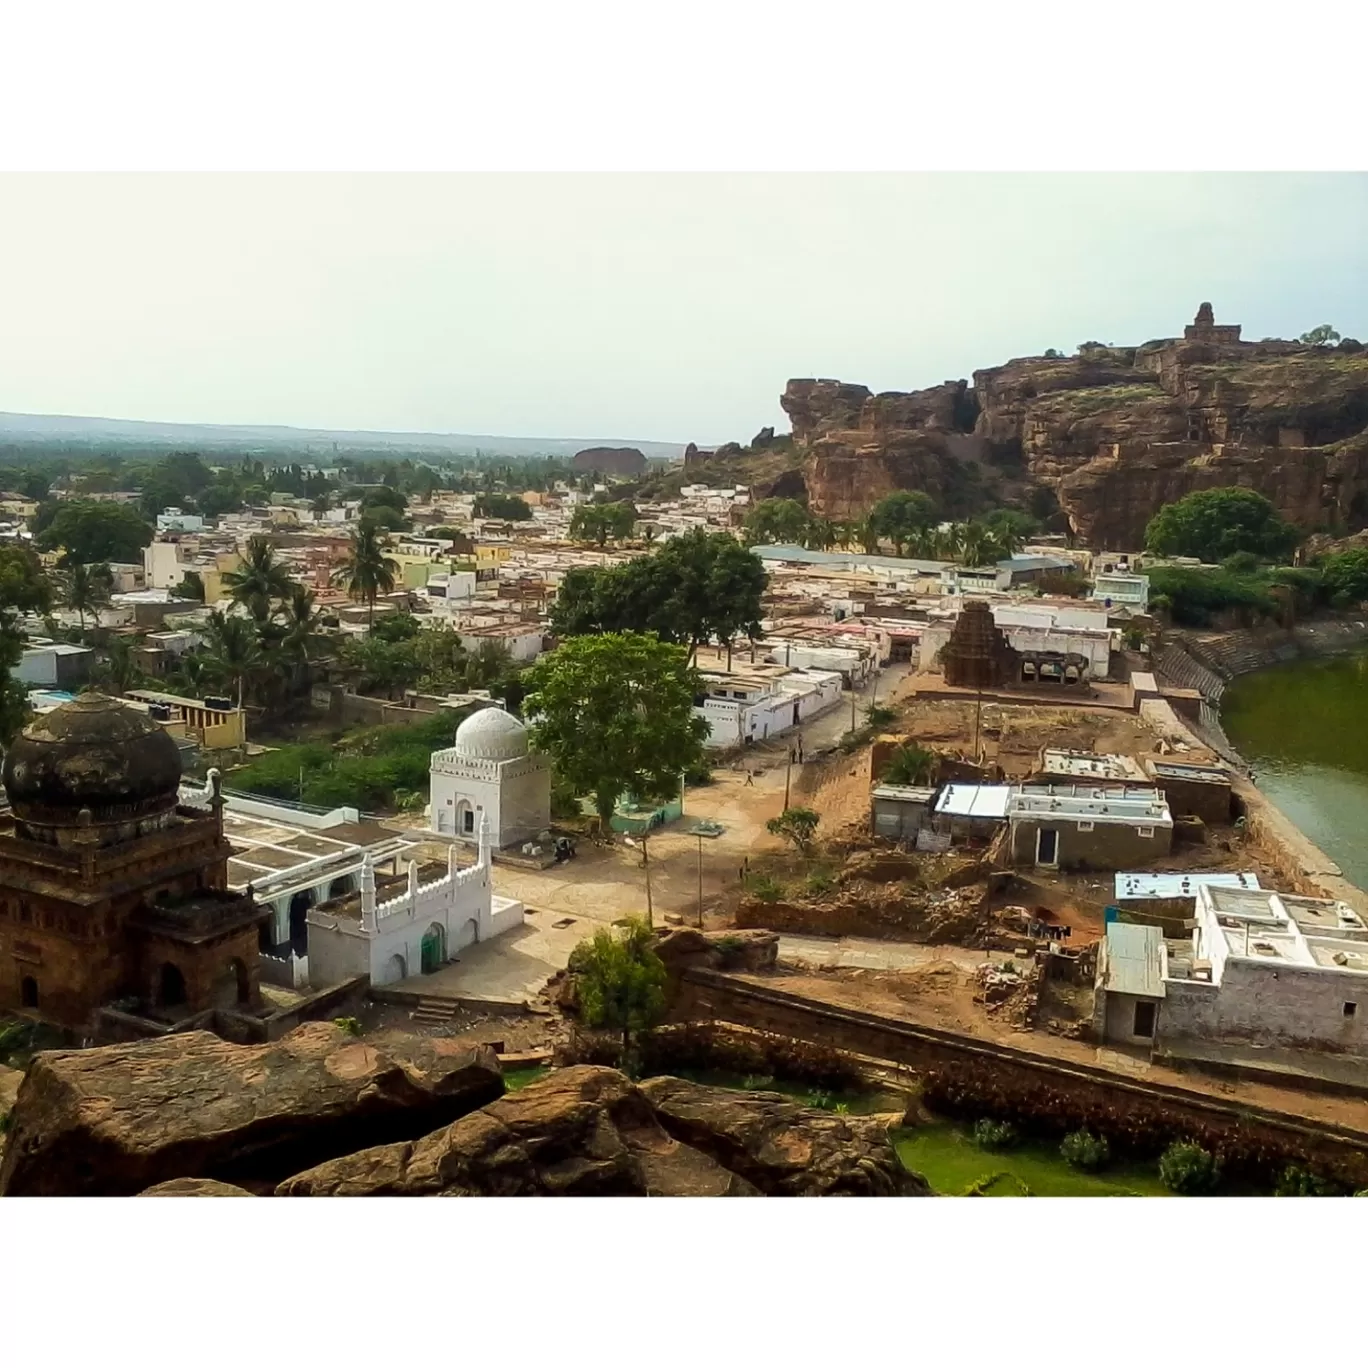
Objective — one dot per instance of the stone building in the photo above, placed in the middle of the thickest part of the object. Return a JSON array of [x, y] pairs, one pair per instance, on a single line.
[[977, 655], [1087, 826], [1205, 328], [490, 774], [112, 891]]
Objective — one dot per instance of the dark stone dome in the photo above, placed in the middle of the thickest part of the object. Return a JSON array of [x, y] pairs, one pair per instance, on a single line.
[[94, 752]]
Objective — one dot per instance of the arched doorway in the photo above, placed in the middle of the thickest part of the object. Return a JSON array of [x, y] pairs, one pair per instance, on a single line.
[[170, 987], [299, 920], [434, 948], [341, 886], [28, 991], [465, 818], [233, 986], [396, 968]]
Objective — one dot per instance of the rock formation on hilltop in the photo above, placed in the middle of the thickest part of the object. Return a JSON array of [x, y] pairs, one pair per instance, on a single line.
[[627, 462], [1108, 435]]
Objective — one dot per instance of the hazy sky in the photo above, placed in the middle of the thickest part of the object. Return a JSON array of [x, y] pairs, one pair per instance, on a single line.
[[657, 307]]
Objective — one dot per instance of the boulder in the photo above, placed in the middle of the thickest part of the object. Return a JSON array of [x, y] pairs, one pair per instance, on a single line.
[[195, 1187], [10, 1080], [686, 947], [115, 1120], [582, 1131], [784, 1149]]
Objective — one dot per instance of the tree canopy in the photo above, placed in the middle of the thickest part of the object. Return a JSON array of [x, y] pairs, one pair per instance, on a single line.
[[777, 522], [90, 530], [693, 588], [902, 515], [620, 983], [367, 571], [23, 589], [603, 522], [506, 507], [615, 714], [1323, 336], [1212, 524]]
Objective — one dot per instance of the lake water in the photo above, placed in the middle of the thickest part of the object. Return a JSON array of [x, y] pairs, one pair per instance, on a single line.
[[1303, 727]]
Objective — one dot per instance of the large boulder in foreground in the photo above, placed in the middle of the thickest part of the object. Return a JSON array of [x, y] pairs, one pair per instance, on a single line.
[[195, 1187], [115, 1120], [784, 1149], [582, 1131]]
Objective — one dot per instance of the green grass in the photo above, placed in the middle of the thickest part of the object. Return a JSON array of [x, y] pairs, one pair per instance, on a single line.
[[520, 1078], [946, 1156]]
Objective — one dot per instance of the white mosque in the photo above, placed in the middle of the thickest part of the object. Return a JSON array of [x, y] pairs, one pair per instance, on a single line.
[[490, 776]]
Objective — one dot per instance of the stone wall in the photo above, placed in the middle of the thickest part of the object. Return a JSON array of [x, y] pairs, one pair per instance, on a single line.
[[974, 1077]]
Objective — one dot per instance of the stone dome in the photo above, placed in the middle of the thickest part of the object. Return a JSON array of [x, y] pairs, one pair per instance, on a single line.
[[491, 734], [96, 754]]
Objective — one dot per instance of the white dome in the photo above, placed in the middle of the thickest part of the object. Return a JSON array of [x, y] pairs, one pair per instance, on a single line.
[[491, 734]]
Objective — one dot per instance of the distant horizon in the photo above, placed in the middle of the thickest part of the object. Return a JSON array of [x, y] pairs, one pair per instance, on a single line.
[[670, 306]]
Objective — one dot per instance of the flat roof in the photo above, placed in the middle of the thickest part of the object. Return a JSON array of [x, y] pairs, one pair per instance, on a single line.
[[1175, 769], [974, 800], [1086, 765], [1146, 806], [1135, 959], [903, 793], [1146, 885]]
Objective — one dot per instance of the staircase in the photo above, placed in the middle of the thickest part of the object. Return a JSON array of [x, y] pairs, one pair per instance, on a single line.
[[433, 1011], [1178, 667]]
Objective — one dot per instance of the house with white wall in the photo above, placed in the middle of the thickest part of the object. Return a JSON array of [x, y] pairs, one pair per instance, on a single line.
[[1265, 975], [755, 702], [414, 931]]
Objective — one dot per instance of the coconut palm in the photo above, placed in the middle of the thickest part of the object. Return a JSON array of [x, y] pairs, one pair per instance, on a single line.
[[233, 653], [119, 671], [261, 581], [300, 625], [86, 589], [367, 572], [868, 536]]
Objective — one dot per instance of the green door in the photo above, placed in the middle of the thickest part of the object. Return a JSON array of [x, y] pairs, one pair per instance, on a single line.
[[432, 952]]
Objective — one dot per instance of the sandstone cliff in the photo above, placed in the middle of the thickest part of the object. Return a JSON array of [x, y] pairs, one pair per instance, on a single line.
[[623, 461], [1108, 436]]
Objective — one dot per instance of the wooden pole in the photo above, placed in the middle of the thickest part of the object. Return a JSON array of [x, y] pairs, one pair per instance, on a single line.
[[700, 880], [788, 770], [646, 861]]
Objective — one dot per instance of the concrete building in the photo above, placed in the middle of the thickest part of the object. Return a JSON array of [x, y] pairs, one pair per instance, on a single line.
[[215, 723], [1266, 977], [1194, 790], [972, 812], [754, 702], [490, 775], [174, 520], [1058, 766], [898, 811], [1073, 826], [1119, 590], [55, 665], [390, 934]]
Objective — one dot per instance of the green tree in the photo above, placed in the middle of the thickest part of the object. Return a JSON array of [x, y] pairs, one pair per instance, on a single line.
[[504, 507], [1187, 1168], [900, 516], [1215, 523], [119, 670], [615, 714], [233, 653], [979, 546], [91, 530], [1345, 577], [301, 631], [86, 589], [601, 522], [620, 984], [1010, 528], [367, 571], [24, 588], [262, 580], [795, 824], [777, 522], [1324, 336], [190, 587], [217, 500], [910, 765]]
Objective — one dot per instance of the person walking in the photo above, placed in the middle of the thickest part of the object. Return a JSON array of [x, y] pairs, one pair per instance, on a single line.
[[750, 778]]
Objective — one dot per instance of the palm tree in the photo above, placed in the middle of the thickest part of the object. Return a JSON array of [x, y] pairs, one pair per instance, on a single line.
[[869, 536], [367, 572], [233, 653], [977, 546], [322, 503], [261, 581], [300, 627], [119, 671], [86, 589]]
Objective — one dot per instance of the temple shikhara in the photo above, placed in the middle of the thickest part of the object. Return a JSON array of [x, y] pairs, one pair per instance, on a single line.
[[112, 892]]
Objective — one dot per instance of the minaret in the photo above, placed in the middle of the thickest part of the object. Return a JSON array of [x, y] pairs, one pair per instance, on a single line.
[[452, 863], [485, 859], [413, 885], [367, 895]]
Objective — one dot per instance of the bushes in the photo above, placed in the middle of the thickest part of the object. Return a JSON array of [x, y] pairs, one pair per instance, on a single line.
[[994, 1135], [1295, 1181], [1082, 1149], [1194, 597], [766, 889], [1187, 1168]]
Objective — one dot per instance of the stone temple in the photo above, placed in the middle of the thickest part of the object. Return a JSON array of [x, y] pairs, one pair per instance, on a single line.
[[111, 891]]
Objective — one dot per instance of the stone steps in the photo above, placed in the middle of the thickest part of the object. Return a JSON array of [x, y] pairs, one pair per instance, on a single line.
[[434, 1011]]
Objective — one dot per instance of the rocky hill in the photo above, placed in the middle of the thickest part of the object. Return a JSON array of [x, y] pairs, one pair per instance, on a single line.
[[1108, 436]]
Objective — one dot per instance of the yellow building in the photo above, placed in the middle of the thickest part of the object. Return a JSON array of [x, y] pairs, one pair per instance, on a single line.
[[488, 559], [213, 728], [225, 563]]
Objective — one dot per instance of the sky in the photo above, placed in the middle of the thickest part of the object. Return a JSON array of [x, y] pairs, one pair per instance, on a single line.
[[656, 307]]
